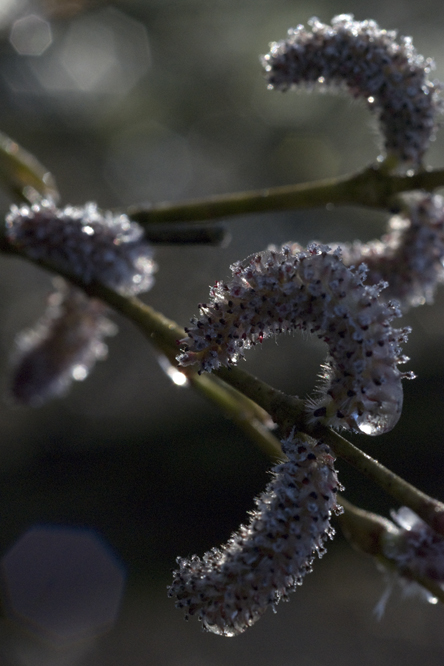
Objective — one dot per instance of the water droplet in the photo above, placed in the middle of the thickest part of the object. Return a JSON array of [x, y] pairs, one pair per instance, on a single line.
[[79, 373], [377, 424]]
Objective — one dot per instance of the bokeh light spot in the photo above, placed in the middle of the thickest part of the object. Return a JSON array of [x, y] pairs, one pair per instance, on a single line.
[[63, 583], [30, 35], [106, 52]]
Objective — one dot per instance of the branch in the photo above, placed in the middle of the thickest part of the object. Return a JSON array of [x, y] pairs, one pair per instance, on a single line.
[[373, 187]]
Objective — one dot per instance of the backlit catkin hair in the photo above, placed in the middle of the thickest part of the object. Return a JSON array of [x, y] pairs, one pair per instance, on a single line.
[[85, 241], [63, 346], [283, 290], [410, 256], [370, 64], [232, 586]]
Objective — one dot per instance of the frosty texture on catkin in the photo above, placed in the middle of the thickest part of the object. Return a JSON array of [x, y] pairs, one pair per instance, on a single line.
[[232, 586], [278, 291], [410, 256], [85, 241], [368, 62], [64, 345]]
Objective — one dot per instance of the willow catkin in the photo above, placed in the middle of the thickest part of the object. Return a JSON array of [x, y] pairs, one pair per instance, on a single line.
[[370, 63], [288, 289], [230, 587], [91, 244], [63, 346]]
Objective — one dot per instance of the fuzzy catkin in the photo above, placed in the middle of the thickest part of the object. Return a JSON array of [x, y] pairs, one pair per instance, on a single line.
[[85, 241], [62, 347], [410, 256], [231, 587], [283, 290], [370, 64]]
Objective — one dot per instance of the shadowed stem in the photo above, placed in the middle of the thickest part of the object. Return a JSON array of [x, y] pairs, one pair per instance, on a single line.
[[373, 187]]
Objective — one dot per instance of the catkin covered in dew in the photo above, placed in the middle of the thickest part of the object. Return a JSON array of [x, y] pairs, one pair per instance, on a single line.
[[370, 63], [282, 290], [410, 256], [230, 588], [63, 346], [91, 244]]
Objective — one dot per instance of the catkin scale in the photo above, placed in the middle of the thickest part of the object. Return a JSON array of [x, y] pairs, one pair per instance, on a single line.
[[279, 291]]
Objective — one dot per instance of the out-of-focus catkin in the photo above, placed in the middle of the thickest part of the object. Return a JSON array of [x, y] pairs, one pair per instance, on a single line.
[[62, 347]]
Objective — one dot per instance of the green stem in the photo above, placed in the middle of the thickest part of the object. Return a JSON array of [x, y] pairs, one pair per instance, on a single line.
[[241, 410], [22, 175], [372, 187]]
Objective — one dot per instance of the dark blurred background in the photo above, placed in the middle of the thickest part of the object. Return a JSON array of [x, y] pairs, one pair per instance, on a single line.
[[150, 100]]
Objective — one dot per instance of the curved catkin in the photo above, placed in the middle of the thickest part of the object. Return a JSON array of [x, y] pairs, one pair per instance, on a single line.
[[279, 291], [231, 587], [90, 243], [370, 64], [63, 346], [410, 256]]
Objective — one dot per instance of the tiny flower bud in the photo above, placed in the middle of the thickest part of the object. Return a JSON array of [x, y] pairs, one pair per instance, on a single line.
[[232, 586], [86, 242], [370, 64], [64, 345], [279, 291]]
